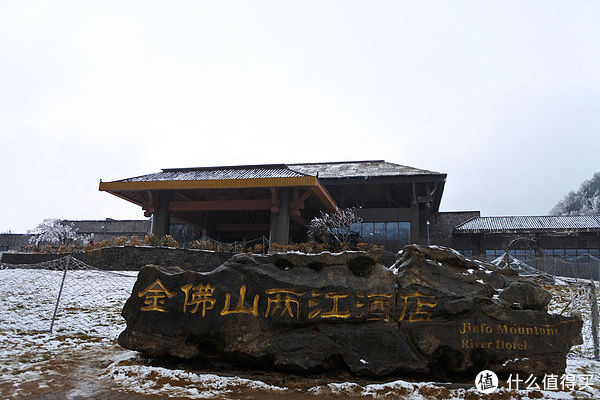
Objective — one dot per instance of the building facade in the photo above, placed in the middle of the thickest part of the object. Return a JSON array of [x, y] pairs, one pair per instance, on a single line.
[[398, 205], [277, 201]]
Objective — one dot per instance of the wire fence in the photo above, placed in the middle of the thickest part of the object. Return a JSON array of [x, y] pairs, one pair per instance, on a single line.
[[572, 282], [578, 297], [64, 295], [583, 266]]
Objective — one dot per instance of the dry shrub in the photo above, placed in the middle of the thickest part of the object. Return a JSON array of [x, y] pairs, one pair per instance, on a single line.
[[168, 241], [65, 249], [151, 240], [277, 248], [321, 247], [344, 246], [362, 246], [304, 247], [121, 241]]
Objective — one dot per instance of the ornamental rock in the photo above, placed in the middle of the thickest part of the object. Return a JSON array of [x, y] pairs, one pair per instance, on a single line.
[[434, 312]]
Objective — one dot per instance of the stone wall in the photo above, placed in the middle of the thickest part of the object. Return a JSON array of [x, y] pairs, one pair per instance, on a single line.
[[28, 258], [442, 228], [132, 258]]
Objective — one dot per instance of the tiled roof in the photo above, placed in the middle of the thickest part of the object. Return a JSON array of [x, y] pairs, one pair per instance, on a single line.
[[350, 169], [358, 169], [110, 226], [529, 223], [217, 173]]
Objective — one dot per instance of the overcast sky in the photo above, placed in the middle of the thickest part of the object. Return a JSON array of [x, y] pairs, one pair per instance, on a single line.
[[503, 96]]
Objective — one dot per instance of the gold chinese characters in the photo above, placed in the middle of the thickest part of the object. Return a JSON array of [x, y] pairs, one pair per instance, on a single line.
[[288, 303]]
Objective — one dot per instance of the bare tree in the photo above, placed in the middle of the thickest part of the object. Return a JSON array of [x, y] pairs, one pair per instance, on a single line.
[[334, 226], [53, 231]]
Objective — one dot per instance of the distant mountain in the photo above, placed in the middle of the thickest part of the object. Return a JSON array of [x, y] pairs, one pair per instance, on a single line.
[[584, 201]]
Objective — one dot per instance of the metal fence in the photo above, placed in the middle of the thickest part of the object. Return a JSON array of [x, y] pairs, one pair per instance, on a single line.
[[63, 295], [573, 296], [584, 266]]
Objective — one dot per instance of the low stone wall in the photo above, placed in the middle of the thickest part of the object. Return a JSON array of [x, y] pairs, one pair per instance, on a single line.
[[28, 258], [132, 258]]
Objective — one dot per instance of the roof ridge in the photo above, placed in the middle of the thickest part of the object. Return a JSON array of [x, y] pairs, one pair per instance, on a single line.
[[336, 162], [226, 167]]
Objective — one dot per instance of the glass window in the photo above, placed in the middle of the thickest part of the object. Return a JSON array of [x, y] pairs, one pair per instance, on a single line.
[[391, 234], [355, 227], [367, 230], [392, 230], [404, 232], [557, 252], [492, 254], [379, 231], [594, 251]]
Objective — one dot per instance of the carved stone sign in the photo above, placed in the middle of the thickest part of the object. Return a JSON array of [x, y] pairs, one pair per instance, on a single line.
[[434, 311]]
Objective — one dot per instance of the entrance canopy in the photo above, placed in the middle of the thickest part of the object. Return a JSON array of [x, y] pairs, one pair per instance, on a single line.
[[229, 203]]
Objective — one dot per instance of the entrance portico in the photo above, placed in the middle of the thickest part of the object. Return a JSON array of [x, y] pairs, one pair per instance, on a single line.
[[229, 203]]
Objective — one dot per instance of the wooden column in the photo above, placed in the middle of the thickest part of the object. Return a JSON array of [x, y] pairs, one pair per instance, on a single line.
[[162, 216], [280, 217]]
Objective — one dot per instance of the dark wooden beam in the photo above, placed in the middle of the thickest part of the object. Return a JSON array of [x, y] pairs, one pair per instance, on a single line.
[[305, 195], [296, 217], [243, 227], [220, 205], [184, 197], [149, 204]]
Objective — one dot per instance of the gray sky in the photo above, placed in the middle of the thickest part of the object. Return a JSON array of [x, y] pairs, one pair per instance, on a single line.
[[503, 96]]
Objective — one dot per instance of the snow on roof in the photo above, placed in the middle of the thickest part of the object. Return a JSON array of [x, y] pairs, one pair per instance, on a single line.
[[358, 169], [214, 173], [347, 169], [528, 223]]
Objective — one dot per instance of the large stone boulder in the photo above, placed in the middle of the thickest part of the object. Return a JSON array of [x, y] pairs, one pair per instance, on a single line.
[[433, 312]]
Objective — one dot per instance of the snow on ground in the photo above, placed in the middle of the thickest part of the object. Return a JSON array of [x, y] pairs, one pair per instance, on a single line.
[[81, 356]]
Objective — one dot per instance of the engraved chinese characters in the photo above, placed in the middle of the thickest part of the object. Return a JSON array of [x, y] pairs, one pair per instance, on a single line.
[[155, 296], [290, 303]]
